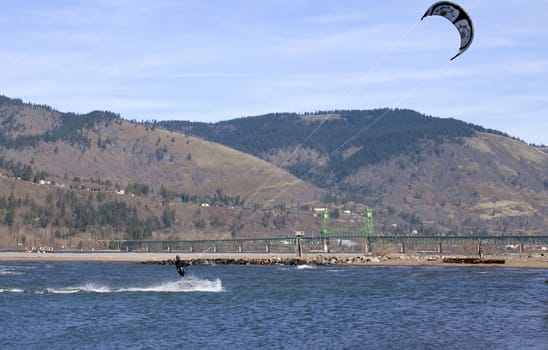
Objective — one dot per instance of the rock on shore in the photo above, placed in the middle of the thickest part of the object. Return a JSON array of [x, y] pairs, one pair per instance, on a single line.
[[278, 260]]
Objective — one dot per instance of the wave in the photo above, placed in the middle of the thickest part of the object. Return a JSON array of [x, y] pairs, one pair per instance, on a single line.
[[5, 271], [10, 270], [306, 266], [189, 284], [11, 290]]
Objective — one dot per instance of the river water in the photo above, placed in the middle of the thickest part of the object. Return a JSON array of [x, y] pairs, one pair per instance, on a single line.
[[134, 306]]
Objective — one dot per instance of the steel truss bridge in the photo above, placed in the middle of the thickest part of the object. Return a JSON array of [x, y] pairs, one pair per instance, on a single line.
[[350, 242]]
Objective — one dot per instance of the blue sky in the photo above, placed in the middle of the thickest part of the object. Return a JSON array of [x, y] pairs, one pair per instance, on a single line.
[[209, 60]]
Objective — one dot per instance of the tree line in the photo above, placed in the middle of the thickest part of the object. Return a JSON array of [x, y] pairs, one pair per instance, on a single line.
[[71, 212], [374, 135]]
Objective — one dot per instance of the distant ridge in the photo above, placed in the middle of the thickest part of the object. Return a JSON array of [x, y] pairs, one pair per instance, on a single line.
[[154, 181], [431, 173], [77, 178]]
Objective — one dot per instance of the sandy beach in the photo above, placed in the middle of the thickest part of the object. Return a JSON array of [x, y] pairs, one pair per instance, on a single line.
[[532, 261]]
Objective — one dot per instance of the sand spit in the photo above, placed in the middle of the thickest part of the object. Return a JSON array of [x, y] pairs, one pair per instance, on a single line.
[[536, 261]]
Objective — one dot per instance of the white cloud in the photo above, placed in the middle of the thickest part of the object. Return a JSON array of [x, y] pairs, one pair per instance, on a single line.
[[210, 61]]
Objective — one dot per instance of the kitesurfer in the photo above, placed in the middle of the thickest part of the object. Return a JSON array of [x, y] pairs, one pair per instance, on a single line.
[[181, 266]]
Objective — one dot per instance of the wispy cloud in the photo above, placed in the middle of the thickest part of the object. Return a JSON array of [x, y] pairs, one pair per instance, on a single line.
[[206, 60]]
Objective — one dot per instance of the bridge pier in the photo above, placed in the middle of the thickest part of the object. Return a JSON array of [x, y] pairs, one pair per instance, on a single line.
[[402, 248], [299, 235], [366, 247], [325, 245]]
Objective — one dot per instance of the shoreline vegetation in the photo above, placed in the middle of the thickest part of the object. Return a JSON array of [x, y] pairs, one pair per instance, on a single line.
[[511, 260]]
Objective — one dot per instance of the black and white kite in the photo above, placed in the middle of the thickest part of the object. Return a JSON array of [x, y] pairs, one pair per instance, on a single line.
[[458, 17]]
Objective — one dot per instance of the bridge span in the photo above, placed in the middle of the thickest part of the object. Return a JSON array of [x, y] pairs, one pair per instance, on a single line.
[[347, 243]]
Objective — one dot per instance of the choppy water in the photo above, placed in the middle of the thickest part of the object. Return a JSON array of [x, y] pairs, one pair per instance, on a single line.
[[122, 306]]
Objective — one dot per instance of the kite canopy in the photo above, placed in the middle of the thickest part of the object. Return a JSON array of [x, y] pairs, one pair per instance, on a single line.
[[458, 17]]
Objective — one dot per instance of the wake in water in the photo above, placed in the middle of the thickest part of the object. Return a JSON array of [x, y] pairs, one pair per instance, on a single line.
[[13, 270], [304, 267], [7, 270], [189, 284], [11, 290]]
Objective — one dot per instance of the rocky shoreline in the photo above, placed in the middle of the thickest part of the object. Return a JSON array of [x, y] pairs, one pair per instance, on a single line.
[[533, 260], [319, 260]]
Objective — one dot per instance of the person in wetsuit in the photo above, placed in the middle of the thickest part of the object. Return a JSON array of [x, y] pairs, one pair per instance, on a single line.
[[181, 266]]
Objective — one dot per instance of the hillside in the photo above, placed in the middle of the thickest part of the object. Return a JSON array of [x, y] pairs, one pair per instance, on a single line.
[[418, 172], [327, 146], [489, 183], [100, 145], [174, 186], [71, 180]]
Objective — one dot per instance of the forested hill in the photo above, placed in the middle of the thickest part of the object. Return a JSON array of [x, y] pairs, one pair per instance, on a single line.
[[70, 178], [450, 174], [49, 125], [340, 141], [418, 173]]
